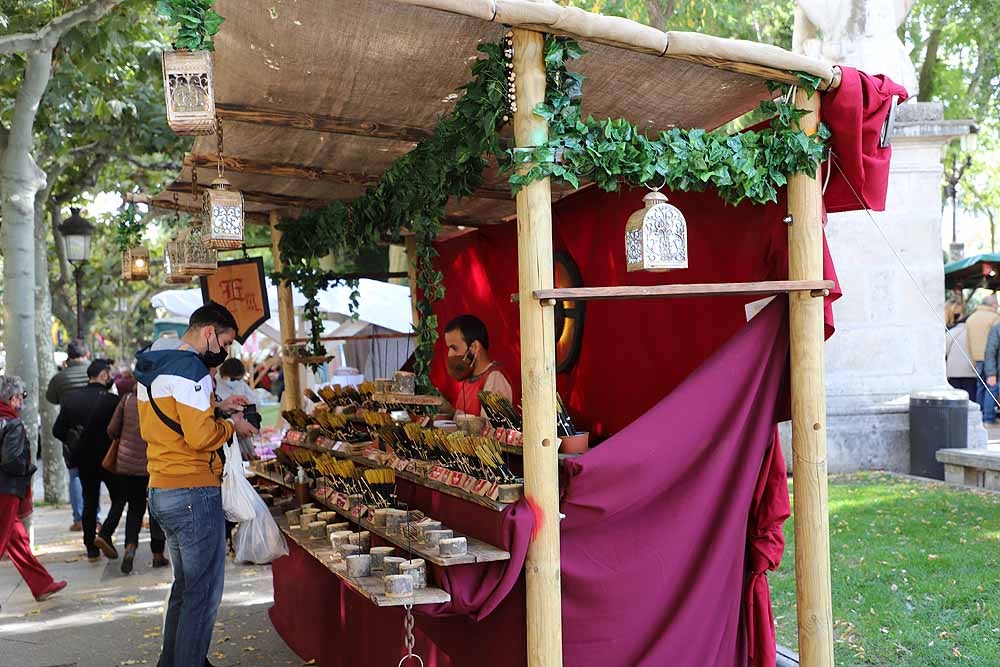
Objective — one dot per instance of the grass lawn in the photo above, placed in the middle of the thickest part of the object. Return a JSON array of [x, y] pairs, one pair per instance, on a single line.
[[916, 574]]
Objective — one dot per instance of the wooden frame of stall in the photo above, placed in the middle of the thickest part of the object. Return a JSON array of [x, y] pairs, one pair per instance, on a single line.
[[530, 20]]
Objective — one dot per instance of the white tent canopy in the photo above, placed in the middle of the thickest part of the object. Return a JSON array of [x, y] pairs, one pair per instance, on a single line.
[[382, 304]]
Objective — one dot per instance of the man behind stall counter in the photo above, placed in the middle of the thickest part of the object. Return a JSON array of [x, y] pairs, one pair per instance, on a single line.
[[470, 363], [180, 420]]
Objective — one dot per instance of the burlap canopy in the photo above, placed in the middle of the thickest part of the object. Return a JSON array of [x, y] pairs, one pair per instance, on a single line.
[[317, 99]]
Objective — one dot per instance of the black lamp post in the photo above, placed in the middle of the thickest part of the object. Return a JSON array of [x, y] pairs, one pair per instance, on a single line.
[[76, 233]]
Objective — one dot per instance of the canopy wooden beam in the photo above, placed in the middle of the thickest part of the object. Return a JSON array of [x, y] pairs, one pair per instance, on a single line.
[[250, 217], [282, 169], [261, 197], [320, 123]]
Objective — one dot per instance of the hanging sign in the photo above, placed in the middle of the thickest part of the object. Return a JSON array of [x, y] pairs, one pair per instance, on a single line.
[[239, 285]]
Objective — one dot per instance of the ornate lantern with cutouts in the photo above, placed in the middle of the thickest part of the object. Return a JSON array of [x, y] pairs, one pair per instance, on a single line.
[[656, 236], [196, 259], [172, 257], [223, 228], [187, 86], [135, 263]]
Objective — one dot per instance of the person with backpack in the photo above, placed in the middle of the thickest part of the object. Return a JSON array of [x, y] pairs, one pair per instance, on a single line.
[[16, 470], [184, 430], [82, 426]]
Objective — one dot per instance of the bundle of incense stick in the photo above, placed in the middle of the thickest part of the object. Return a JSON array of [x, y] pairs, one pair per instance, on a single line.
[[489, 454], [382, 483], [297, 419], [563, 422], [311, 395], [500, 411]]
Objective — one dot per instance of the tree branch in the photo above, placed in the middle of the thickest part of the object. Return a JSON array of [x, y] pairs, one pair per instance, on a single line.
[[48, 36], [167, 165]]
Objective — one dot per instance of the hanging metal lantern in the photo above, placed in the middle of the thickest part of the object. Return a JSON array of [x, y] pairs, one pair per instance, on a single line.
[[172, 257], [135, 263], [196, 259], [223, 229], [656, 236], [188, 88]]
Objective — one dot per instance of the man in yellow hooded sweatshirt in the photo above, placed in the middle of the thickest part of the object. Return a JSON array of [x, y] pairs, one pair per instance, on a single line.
[[179, 419]]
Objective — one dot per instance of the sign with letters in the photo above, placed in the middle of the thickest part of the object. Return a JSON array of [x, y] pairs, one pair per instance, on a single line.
[[239, 285]]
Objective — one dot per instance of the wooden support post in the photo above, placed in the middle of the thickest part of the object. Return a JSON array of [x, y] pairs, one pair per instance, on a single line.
[[538, 371], [812, 523], [292, 397], [411, 270]]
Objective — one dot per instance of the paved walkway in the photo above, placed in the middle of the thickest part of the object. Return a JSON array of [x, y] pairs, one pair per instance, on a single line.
[[107, 619]]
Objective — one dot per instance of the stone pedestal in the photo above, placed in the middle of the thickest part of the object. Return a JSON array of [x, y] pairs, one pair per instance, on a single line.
[[889, 341]]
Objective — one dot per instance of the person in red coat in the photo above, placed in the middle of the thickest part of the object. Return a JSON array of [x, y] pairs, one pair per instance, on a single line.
[[16, 470]]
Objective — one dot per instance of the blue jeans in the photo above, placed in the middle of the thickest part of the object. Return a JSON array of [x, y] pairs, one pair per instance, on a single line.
[[76, 496], [195, 528], [986, 401]]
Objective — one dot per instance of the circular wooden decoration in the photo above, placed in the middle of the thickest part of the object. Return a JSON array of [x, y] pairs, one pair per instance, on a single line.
[[568, 314]]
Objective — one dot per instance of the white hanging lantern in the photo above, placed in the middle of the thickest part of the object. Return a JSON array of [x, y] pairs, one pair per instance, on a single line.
[[656, 236], [135, 263], [188, 88], [223, 229]]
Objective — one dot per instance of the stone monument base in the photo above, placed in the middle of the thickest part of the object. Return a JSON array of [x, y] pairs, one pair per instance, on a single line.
[[874, 437]]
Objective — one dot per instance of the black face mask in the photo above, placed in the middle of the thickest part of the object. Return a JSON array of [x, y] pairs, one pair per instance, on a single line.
[[214, 359], [109, 384]]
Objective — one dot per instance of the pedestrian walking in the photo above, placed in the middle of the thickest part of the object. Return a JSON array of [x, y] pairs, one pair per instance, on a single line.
[[977, 328], [177, 417], [71, 377], [130, 466], [960, 373], [82, 425], [16, 470]]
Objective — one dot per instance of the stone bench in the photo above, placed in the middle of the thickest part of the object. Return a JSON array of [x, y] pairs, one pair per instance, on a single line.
[[971, 467]]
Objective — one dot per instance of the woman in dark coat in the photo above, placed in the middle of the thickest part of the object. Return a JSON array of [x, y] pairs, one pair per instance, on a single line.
[[131, 466], [16, 470]]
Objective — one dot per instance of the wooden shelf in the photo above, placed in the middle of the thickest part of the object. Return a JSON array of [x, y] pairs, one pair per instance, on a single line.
[[479, 551], [694, 289], [271, 477], [369, 587], [519, 451], [488, 503]]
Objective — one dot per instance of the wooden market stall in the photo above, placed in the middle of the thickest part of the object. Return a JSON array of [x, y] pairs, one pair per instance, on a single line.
[[318, 100]]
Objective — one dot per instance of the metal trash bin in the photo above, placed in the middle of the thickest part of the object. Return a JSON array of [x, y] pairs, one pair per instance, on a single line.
[[939, 419]]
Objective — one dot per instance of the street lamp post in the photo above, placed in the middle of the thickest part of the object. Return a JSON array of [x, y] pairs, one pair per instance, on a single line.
[[76, 232]]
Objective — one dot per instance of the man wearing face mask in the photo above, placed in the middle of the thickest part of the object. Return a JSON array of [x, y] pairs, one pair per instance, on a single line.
[[470, 363], [184, 430], [82, 425]]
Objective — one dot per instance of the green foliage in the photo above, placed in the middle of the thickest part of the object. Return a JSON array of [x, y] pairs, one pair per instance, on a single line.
[[750, 165], [129, 226], [196, 22], [412, 194], [914, 570]]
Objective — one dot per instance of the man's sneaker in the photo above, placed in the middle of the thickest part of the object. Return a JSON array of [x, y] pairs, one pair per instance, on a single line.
[[129, 558], [159, 560], [76, 526], [106, 547], [53, 588]]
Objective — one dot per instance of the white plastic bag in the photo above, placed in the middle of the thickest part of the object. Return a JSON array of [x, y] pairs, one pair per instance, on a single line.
[[238, 494], [259, 540]]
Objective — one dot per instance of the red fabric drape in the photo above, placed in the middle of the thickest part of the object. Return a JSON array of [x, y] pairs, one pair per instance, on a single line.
[[855, 113]]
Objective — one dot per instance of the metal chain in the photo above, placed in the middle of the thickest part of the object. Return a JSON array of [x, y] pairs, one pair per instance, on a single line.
[[408, 639], [218, 136]]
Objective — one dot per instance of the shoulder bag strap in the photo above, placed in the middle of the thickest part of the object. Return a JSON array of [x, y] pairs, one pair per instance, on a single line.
[[173, 425]]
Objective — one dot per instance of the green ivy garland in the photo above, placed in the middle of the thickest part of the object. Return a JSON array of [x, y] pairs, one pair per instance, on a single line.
[[411, 195], [196, 22], [129, 227]]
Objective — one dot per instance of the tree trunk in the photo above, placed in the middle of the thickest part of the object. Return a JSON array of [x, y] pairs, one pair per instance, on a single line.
[[925, 87], [54, 474], [20, 179]]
